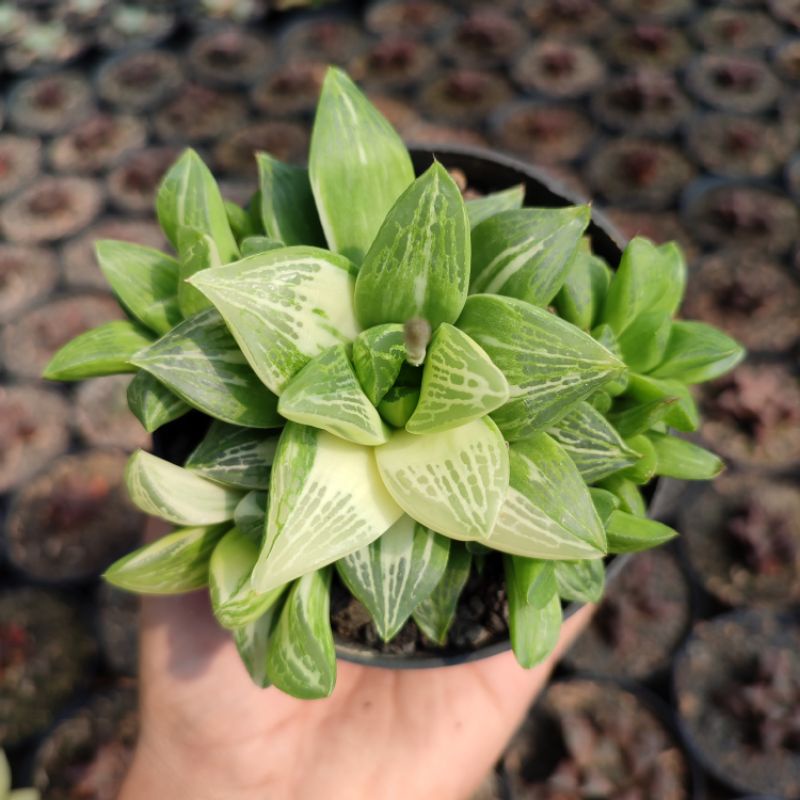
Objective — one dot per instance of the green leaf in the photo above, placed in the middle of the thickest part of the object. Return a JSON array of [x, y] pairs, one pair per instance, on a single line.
[[166, 490], [190, 198], [632, 418], [644, 341], [200, 362], [326, 394], [378, 356], [682, 415], [650, 278], [697, 352], [481, 208], [604, 502], [548, 512], [233, 599], [533, 630], [549, 363], [436, 613], [526, 253], [601, 401], [327, 501], [284, 307], [395, 573], [301, 659], [452, 482], [105, 350], [241, 222], [398, 405], [235, 456], [250, 515], [173, 564], [627, 533], [581, 581], [145, 281], [631, 500], [253, 643], [418, 265], [459, 383], [259, 244], [645, 467], [535, 576], [198, 252], [583, 292], [592, 443], [677, 458], [152, 403], [288, 212]]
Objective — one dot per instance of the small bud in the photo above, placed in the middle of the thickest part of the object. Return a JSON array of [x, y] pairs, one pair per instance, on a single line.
[[417, 332]]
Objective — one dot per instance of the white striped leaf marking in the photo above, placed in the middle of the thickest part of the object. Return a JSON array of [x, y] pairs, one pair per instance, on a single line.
[[235, 456], [358, 166], [104, 350], [145, 281], [548, 512], [173, 564], [395, 573], [166, 490], [152, 403], [526, 253], [284, 307], [189, 197], [233, 599], [378, 355], [287, 206], [301, 659], [549, 363], [326, 501], [200, 362], [198, 251], [326, 394], [592, 443], [533, 631], [481, 208], [436, 613], [459, 383], [452, 482], [418, 265]]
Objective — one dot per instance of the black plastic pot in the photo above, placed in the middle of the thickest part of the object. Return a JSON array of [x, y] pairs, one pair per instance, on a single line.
[[485, 172]]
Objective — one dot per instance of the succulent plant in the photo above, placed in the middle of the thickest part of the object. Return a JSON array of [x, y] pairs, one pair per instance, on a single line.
[[390, 392], [6, 792]]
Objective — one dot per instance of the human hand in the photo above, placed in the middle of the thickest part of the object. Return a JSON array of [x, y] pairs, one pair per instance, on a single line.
[[208, 733]]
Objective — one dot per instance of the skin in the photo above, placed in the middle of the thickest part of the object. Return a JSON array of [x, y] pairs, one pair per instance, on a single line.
[[207, 733]]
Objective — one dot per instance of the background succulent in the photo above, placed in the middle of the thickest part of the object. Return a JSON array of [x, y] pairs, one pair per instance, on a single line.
[[433, 407]]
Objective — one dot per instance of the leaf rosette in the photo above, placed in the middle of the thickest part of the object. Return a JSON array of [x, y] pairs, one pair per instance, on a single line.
[[401, 384]]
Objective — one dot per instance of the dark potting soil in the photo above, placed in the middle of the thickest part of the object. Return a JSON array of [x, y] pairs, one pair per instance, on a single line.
[[44, 654], [742, 537], [118, 627], [593, 739], [481, 619], [643, 617], [87, 755], [738, 693]]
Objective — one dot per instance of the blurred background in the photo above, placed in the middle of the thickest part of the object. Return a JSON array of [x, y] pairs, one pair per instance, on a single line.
[[679, 118]]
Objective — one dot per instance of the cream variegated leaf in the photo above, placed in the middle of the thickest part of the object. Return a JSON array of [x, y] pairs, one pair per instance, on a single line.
[[166, 490], [395, 573], [459, 383], [173, 564], [284, 307], [327, 501], [200, 362], [453, 482], [326, 394], [378, 355], [548, 512]]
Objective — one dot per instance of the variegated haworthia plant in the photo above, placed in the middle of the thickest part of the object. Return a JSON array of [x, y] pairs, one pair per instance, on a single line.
[[403, 385]]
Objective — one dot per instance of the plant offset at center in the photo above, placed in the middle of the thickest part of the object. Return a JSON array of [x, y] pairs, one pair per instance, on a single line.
[[402, 384]]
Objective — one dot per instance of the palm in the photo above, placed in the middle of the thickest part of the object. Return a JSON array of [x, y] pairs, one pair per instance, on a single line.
[[382, 734]]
